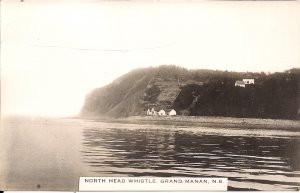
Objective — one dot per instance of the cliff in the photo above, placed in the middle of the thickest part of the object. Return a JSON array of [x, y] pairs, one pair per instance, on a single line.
[[197, 93]]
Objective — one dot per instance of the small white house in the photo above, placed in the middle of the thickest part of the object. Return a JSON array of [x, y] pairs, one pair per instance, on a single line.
[[162, 112], [244, 82], [248, 81], [172, 112]]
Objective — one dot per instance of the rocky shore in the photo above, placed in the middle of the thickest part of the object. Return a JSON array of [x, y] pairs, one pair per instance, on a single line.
[[216, 122]]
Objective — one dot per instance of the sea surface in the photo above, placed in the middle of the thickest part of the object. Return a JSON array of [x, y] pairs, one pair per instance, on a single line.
[[51, 154]]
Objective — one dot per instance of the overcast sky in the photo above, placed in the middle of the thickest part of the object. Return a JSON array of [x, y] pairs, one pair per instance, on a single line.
[[54, 53]]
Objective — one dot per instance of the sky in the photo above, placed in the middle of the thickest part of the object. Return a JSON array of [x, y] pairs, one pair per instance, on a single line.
[[53, 53]]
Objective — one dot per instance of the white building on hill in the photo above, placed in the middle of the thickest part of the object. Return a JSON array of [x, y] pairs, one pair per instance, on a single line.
[[244, 82]]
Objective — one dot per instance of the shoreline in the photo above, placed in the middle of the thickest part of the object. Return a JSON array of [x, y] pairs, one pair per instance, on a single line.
[[184, 121], [206, 121]]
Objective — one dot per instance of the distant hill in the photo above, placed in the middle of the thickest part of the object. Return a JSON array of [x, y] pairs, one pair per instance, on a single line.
[[197, 93]]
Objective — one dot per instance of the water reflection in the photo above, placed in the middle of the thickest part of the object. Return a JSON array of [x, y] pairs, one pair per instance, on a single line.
[[246, 161]]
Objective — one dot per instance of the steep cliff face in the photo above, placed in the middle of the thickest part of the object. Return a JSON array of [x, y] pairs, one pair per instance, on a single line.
[[135, 92], [123, 97], [197, 92]]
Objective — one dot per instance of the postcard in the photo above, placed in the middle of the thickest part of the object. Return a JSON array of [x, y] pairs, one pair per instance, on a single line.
[[151, 95]]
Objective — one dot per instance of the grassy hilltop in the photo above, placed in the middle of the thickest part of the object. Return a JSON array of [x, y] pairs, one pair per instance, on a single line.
[[198, 93]]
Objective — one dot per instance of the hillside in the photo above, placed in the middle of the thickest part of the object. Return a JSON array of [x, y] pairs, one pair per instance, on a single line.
[[197, 93]]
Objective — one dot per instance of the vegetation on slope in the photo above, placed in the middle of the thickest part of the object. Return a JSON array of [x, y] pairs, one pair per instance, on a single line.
[[198, 93]]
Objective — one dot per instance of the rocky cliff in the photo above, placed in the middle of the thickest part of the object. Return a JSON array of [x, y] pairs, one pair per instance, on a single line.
[[197, 92]]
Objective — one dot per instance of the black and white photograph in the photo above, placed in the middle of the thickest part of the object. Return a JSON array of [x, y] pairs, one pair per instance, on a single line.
[[150, 89]]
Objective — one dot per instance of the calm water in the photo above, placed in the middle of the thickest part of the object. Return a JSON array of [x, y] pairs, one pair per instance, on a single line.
[[249, 162], [52, 154]]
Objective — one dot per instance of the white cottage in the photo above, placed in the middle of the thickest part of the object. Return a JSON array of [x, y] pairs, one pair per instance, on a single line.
[[172, 112], [244, 82], [162, 112]]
